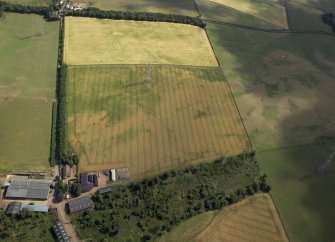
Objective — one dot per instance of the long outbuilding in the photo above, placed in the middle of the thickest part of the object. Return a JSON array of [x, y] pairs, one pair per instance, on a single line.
[[60, 233], [29, 189]]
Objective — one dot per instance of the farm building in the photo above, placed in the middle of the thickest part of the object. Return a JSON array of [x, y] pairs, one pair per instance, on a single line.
[[85, 184], [60, 233], [13, 208], [122, 173], [104, 190], [66, 170], [80, 204], [28, 189], [35, 208], [113, 175]]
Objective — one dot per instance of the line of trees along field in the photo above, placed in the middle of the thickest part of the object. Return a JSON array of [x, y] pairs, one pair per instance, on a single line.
[[137, 16], [144, 210], [49, 14]]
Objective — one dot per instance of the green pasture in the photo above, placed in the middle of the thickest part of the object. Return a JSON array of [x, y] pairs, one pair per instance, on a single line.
[[28, 47], [303, 196], [215, 11], [327, 5], [184, 7], [304, 18], [283, 98], [31, 2]]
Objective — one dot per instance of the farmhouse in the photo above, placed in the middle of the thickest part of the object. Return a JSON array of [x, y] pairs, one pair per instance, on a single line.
[[80, 204], [28, 189], [60, 233]]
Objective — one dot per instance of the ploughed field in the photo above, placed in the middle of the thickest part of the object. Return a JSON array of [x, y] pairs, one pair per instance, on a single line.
[[103, 41], [118, 118], [28, 47]]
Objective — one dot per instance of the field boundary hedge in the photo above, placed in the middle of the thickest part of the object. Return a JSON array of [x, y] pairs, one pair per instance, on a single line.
[[137, 16]]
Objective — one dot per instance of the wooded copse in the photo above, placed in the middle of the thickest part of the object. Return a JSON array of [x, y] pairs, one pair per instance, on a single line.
[[145, 209], [137, 16], [329, 18]]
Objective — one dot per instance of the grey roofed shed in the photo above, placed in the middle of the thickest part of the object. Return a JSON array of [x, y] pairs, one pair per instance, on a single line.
[[13, 208], [105, 190], [60, 233], [79, 204], [29, 188], [35, 208]]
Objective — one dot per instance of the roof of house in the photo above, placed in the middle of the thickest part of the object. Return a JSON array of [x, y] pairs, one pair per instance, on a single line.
[[13, 208], [85, 184], [60, 233], [79, 204], [35, 208], [29, 188]]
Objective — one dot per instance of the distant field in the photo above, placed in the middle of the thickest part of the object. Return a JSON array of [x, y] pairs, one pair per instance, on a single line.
[[283, 98], [304, 197], [327, 5], [218, 12], [31, 2], [184, 7], [28, 47], [104, 41], [303, 18], [255, 219], [270, 10], [183, 115]]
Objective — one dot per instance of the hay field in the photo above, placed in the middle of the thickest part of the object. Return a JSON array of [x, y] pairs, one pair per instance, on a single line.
[[270, 10], [28, 62], [183, 115], [185, 7], [255, 219], [104, 41]]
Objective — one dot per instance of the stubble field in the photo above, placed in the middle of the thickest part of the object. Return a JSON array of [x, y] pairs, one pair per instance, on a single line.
[[184, 114], [104, 41], [255, 219], [28, 47]]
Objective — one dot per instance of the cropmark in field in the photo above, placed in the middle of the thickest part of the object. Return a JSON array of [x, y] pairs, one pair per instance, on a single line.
[[182, 114]]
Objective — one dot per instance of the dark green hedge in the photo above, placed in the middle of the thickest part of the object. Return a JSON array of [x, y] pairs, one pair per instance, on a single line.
[[329, 18], [139, 16]]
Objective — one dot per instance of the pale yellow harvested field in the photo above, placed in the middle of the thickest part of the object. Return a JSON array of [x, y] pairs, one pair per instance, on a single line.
[[105, 41], [255, 219], [184, 115], [268, 10]]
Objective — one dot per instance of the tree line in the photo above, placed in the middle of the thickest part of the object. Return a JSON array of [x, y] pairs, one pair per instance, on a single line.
[[329, 18], [47, 12], [145, 209], [137, 16]]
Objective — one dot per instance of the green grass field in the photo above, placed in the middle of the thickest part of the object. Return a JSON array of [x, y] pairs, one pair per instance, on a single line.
[[28, 59], [284, 99], [183, 115], [271, 11], [283, 85], [214, 11], [327, 5], [303, 196], [304, 18], [184, 7], [31, 2]]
